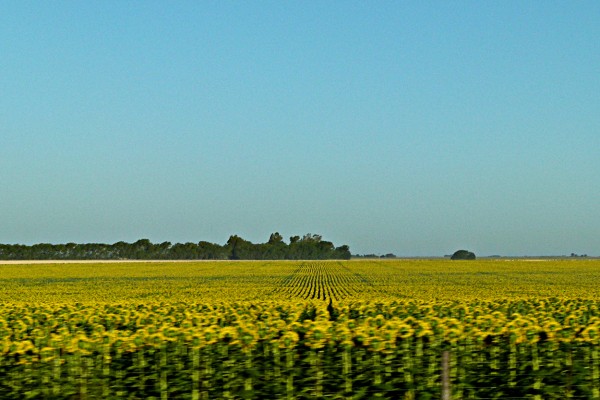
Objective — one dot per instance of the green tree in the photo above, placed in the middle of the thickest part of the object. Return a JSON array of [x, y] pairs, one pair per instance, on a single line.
[[343, 252], [275, 238], [239, 249], [463, 255]]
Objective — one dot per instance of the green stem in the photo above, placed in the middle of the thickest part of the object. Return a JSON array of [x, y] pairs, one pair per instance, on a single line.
[[346, 371], [289, 364], [164, 394]]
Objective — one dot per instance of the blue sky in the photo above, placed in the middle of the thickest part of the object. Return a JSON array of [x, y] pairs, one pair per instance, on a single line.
[[416, 128]]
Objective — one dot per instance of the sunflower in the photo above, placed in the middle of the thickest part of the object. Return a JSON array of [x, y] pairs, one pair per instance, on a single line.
[[453, 335], [316, 338], [405, 331], [591, 334], [288, 340], [228, 334]]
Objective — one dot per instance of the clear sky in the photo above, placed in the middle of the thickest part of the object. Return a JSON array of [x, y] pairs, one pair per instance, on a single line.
[[412, 127]]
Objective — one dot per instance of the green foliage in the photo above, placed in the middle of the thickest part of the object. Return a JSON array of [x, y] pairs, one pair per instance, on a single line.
[[285, 339], [309, 247], [413, 369], [463, 255]]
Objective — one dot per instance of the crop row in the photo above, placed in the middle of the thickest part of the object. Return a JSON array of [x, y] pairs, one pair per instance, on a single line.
[[352, 330], [176, 369], [320, 281], [274, 349], [385, 280]]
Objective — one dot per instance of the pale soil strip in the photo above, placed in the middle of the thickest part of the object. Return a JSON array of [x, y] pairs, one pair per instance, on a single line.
[[6, 262]]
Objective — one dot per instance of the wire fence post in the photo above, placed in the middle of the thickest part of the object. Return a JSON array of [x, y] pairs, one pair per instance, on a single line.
[[446, 392]]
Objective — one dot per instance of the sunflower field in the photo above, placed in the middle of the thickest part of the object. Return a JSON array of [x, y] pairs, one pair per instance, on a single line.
[[389, 329]]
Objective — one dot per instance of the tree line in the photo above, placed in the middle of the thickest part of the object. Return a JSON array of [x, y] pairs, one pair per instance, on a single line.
[[307, 247]]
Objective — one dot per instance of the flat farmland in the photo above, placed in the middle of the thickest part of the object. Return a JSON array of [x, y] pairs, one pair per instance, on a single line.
[[342, 281], [301, 329]]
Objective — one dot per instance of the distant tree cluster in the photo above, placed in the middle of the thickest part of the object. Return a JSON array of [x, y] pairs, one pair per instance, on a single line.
[[577, 255], [463, 255], [372, 255], [307, 247]]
